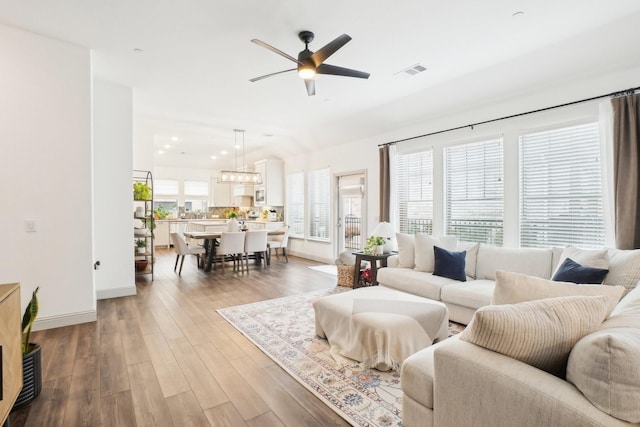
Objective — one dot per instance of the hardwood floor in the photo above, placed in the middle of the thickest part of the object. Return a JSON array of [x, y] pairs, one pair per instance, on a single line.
[[166, 358]]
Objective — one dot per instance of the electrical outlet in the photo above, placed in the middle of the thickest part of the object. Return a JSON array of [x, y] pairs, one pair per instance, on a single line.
[[30, 225]]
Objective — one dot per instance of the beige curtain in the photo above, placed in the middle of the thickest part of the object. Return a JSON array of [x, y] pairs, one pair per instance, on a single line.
[[626, 170], [385, 184]]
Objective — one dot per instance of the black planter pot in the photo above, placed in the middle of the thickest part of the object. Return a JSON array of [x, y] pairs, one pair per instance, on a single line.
[[31, 377]]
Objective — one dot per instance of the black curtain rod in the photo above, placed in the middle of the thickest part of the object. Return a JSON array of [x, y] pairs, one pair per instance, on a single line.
[[609, 95]]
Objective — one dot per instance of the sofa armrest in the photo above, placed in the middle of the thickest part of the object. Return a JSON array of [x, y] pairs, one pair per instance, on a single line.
[[474, 386]]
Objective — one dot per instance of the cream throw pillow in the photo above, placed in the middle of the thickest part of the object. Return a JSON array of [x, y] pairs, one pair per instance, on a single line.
[[513, 288], [604, 364], [425, 260], [471, 257], [624, 268], [406, 250], [540, 333]]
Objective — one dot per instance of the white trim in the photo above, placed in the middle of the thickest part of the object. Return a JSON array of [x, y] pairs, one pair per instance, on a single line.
[[61, 320], [124, 291], [308, 256]]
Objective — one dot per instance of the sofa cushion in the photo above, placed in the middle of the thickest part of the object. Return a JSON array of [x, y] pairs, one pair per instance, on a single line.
[[540, 333], [624, 268], [406, 250], [594, 258], [604, 364], [449, 264], [415, 282], [473, 294], [529, 261], [472, 257], [424, 252], [513, 288], [571, 271]]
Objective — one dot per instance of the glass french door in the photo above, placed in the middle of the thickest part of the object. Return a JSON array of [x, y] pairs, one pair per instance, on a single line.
[[351, 223]]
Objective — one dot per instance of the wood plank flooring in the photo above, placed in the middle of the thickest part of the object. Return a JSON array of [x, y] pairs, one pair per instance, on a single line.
[[166, 358]]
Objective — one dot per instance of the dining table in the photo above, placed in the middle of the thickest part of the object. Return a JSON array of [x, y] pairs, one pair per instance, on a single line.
[[209, 245]]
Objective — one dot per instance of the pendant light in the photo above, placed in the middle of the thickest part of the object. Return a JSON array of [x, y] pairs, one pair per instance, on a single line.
[[239, 176]]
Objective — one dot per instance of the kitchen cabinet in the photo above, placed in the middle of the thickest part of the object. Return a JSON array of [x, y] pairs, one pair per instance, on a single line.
[[271, 191], [161, 233], [221, 194]]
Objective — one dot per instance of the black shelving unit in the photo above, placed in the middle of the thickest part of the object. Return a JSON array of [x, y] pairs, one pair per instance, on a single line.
[[143, 225]]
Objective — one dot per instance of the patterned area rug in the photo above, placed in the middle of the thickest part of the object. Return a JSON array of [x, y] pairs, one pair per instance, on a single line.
[[284, 329]]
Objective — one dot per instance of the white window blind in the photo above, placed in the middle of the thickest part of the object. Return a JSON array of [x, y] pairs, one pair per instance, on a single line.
[[475, 191], [414, 186], [165, 187], [196, 188], [319, 209], [560, 188], [295, 204]]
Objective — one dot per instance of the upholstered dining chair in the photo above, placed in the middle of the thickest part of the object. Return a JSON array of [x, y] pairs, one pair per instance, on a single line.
[[280, 242], [182, 250], [255, 242], [231, 245]]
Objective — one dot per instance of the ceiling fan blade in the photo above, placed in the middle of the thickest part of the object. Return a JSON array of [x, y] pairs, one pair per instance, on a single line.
[[323, 53], [341, 71], [255, 79], [273, 49], [311, 86]]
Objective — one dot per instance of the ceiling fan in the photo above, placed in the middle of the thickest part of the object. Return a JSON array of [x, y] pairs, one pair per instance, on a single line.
[[310, 63]]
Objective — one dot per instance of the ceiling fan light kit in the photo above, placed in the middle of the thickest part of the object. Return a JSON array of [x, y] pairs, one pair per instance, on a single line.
[[312, 63]]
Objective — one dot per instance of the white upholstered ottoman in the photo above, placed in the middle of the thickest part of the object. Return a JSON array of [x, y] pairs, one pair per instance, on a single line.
[[379, 326]]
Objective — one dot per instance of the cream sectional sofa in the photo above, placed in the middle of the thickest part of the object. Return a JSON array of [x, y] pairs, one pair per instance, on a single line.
[[455, 383]]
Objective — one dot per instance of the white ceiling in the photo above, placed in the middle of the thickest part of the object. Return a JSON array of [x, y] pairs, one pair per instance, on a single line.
[[191, 79]]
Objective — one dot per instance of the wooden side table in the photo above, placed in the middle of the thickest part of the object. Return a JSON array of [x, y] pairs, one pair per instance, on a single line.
[[373, 259]]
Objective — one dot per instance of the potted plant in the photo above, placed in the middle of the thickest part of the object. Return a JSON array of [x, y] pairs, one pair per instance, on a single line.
[[31, 360], [141, 191], [141, 245], [375, 245]]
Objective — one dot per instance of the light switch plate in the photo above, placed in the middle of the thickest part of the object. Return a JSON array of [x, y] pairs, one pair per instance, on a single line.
[[30, 225]]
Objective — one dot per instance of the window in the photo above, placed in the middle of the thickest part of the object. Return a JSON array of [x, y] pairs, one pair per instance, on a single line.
[[474, 191], [165, 187], [295, 204], [560, 188], [196, 196], [414, 180], [319, 197]]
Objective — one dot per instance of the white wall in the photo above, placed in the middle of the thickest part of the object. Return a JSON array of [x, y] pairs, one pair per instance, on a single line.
[[363, 154], [45, 174], [112, 193]]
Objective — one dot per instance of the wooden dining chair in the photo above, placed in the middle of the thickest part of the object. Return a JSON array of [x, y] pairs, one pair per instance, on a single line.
[[182, 250], [231, 246], [255, 242]]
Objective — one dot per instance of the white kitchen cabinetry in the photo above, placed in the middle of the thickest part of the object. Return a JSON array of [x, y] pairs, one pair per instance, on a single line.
[[272, 171], [221, 194], [161, 234]]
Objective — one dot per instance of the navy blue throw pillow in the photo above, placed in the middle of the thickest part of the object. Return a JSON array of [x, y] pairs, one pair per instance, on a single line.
[[571, 271], [449, 264]]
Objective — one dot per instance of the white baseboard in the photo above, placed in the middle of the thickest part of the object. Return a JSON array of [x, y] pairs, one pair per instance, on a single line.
[[124, 291], [59, 321], [307, 256]]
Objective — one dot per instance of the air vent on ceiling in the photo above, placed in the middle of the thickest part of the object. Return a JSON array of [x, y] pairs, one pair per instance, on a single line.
[[412, 71]]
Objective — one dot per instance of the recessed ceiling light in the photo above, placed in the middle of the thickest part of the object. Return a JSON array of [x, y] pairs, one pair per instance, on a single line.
[[160, 152], [167, 146], [223, 152], [237, 146], [174, 138], [518, 13], [213, 157]]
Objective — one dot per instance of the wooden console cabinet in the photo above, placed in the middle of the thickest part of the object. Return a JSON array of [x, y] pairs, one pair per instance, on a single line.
[[11, 348]]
